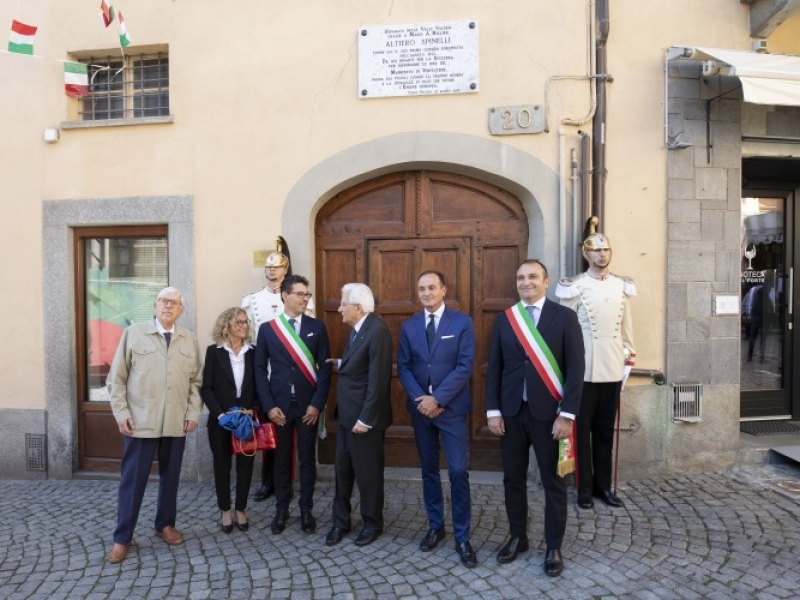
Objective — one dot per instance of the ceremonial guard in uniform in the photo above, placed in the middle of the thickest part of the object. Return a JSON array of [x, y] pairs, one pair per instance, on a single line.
[[261, 307], [601, 300]]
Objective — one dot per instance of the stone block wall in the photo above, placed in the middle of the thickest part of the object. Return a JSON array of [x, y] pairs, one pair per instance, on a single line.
[[703, 259]]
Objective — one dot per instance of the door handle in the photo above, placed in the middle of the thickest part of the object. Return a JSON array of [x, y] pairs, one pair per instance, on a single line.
[[791, 290]]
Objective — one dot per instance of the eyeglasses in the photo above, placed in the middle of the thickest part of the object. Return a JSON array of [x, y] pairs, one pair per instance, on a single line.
[[302, 295], [168, 302], [241, 322]]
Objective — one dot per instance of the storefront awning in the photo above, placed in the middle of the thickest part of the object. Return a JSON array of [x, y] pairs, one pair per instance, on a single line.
[[766, 78]]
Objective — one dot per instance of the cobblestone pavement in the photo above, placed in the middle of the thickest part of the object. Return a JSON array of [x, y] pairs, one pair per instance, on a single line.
[[719, 535]]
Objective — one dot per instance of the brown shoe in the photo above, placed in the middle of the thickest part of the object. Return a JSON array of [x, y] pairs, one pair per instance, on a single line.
[[170, 535], [118, 553]]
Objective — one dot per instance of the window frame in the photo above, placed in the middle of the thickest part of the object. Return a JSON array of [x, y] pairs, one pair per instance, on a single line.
[[125, 79]]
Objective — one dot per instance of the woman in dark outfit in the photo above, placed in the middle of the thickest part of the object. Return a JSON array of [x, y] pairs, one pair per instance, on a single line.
[[228, 380]]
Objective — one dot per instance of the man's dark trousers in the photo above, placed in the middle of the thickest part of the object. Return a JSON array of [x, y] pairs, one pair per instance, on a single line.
[[359, 459], [306, 450], [595, 436], [137, 459], [523, 431]]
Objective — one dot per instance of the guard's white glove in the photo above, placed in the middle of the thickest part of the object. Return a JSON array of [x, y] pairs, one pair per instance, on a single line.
[[625, 375]]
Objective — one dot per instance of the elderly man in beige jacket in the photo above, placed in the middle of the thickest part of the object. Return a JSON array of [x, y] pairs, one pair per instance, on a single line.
[[154, 384]]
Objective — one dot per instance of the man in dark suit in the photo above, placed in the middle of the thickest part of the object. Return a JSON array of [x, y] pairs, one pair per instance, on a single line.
[[364, 410], [292, 380], [522, 388], [435, 361]]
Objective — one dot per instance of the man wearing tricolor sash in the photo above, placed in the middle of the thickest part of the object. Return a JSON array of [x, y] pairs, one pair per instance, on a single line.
[[292, 381], [263, 306], [533, 394]]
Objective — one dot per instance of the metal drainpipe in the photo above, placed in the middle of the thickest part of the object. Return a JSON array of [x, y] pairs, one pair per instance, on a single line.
[[599, 125], [586, 181]]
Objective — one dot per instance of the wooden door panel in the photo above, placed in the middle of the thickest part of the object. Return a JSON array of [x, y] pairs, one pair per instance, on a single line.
[[386, 231], [117, 272]]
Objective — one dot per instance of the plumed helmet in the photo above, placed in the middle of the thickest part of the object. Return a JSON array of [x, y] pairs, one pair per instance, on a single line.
[[595, 240], [276, 259]]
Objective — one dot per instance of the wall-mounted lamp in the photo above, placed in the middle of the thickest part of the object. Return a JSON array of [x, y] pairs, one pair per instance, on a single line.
[[51, 135]]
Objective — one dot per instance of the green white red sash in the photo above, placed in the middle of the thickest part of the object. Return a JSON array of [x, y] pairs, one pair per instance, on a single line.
[[295, 347], [536, 349], [547, 367]]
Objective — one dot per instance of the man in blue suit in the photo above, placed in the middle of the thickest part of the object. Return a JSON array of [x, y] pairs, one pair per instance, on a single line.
[[434, 363]]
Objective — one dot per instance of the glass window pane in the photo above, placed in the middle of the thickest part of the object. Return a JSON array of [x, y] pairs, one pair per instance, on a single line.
[[150, 74], [151, 105], [123, 276], [762, 294]]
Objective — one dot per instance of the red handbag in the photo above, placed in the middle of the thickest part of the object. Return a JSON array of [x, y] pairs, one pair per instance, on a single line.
[[264, 438]]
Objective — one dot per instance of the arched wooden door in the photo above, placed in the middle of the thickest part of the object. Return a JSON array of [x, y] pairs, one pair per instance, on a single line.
[[384, 232]]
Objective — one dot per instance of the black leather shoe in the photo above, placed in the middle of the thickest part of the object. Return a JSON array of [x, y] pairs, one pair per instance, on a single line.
[[468, 558], [226, 528], [553, 563], [585, 502], [279, 522], [431, 540], [607, 497], [307, 522], [367, 536], [263, 492], [242, 526], [335, 535], [509, 552]]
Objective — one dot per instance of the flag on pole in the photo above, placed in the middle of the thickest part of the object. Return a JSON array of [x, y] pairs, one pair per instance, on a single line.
[[76, 79], [106, 13], [21, 38], [124, 40]]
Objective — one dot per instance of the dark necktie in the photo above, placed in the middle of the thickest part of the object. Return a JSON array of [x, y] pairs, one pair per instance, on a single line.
[[350, 341], [293, 323], [430, 331], [168, 337]]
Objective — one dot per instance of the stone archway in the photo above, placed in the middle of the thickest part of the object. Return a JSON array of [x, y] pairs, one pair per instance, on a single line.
[[387, 230]]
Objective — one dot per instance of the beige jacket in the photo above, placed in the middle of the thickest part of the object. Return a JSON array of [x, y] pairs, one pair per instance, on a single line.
[[604, 313], [158, 389]]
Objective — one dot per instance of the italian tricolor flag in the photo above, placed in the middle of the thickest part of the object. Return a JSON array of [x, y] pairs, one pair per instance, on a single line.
[[106, 13], [76, 79], [21, 39], [124, 40]]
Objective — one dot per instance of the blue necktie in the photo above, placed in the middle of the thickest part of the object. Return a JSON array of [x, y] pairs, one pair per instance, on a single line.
[[293, 323], [530, 310], [168, 337], [430, 331], [350, 341]]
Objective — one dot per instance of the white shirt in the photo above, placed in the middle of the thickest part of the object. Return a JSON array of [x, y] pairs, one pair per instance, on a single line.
[[161, 330], [237, 364], [437, 316]]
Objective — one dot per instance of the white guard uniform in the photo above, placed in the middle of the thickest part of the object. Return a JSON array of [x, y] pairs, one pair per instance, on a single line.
[[604, 313]]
